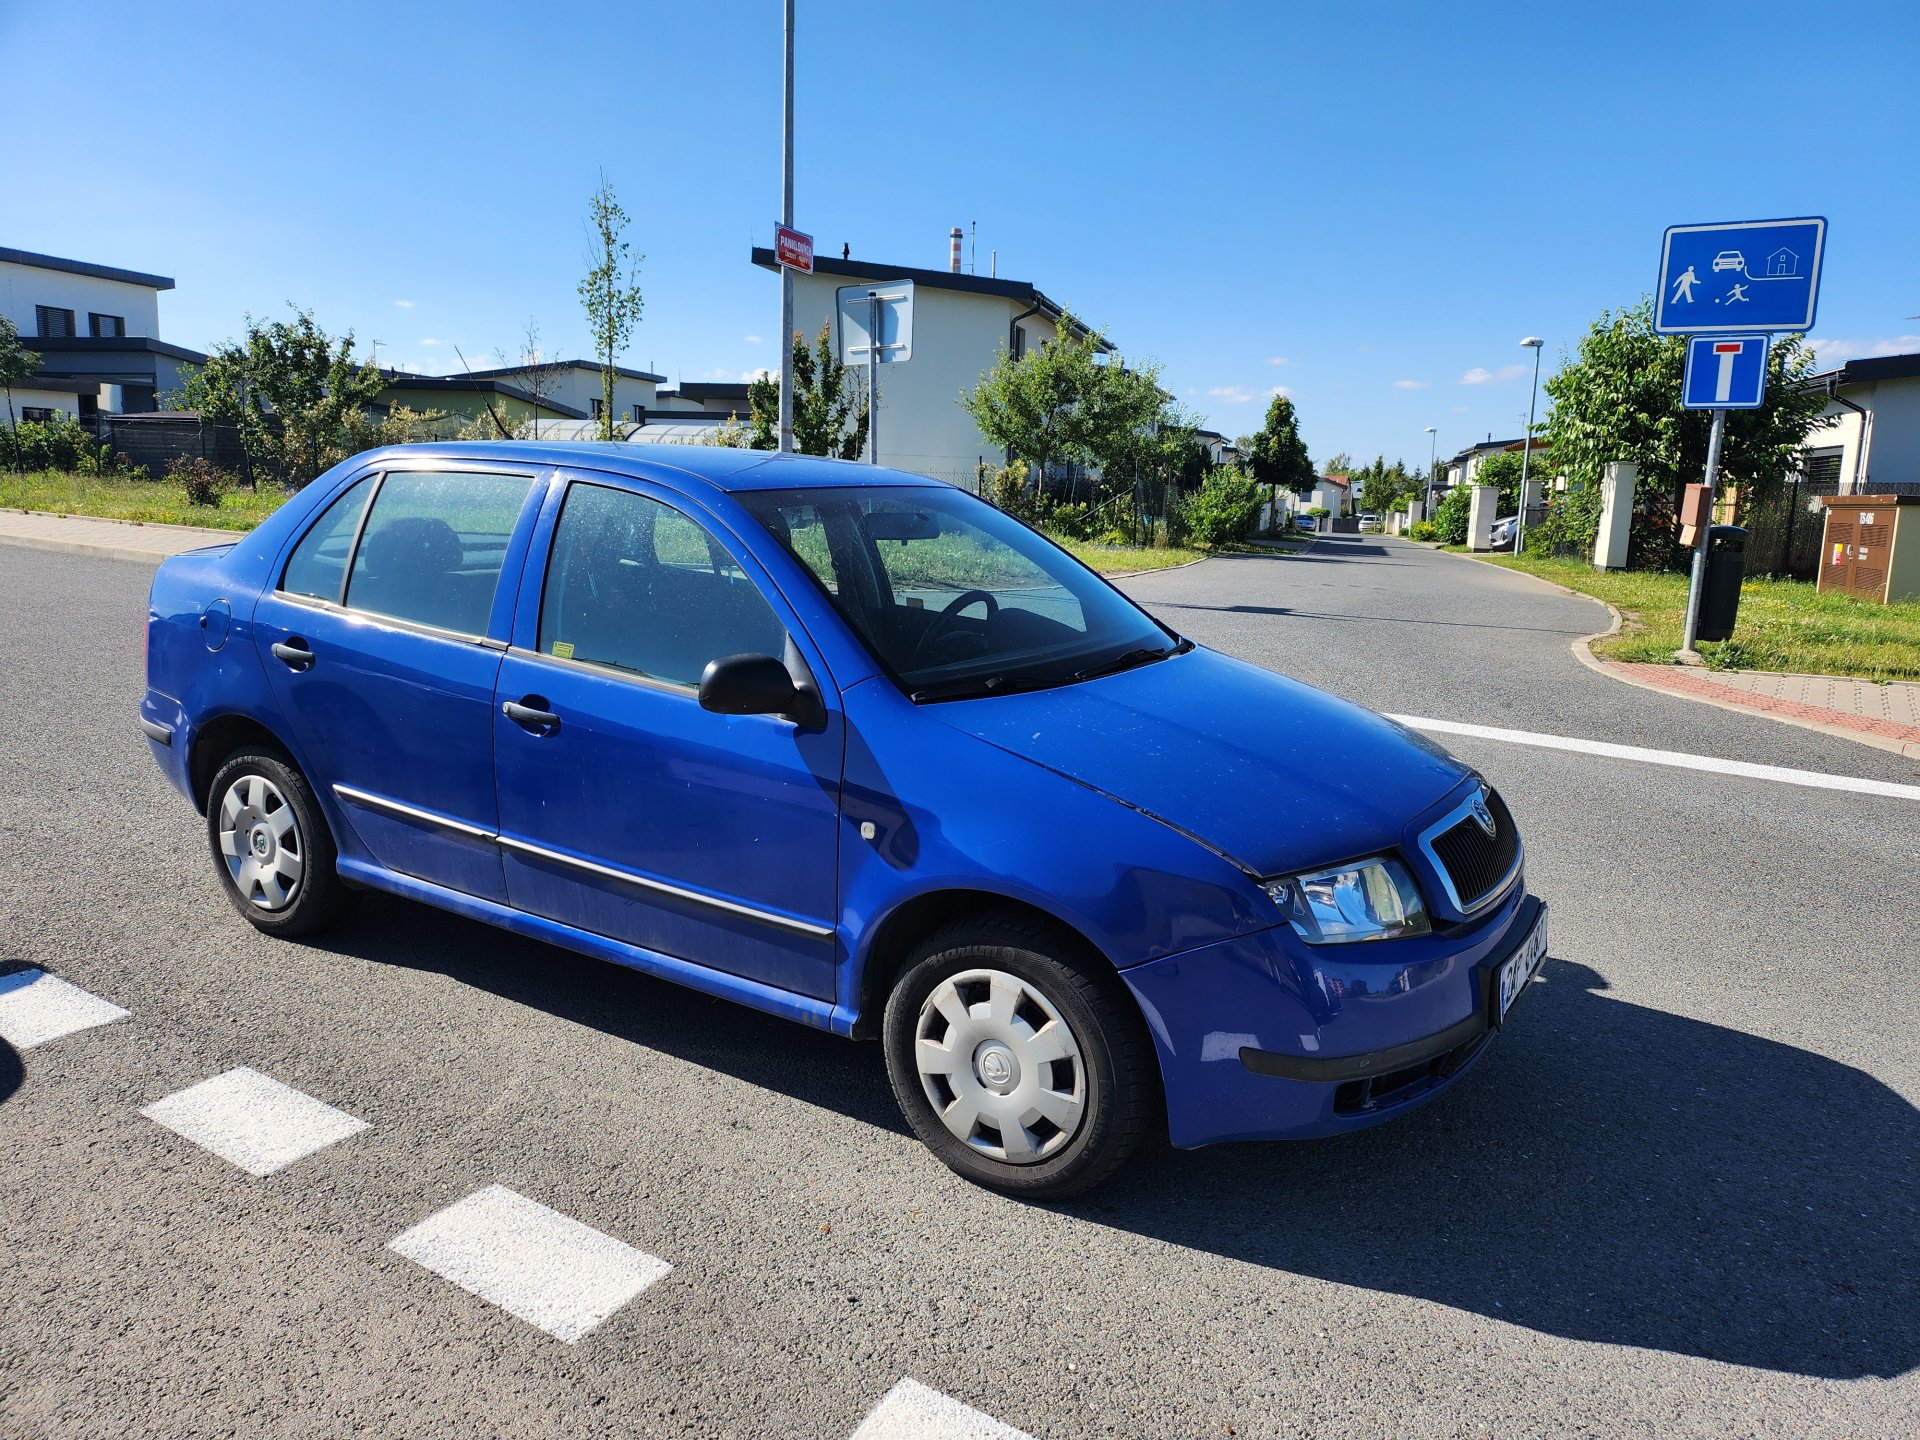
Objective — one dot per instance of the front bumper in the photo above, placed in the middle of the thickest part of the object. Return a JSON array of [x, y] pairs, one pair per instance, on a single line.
[[1324, 1039]]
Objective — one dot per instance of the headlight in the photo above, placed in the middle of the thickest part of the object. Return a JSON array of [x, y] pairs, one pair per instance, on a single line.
[[1367, 900]]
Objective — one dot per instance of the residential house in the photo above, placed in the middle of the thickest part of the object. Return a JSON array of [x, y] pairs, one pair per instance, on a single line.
[[1871, 443], [720, 398], [1462, 468], [1334, 492], [575, 385], [472, 396], [961, 325], [1220, 449], [97, 331]]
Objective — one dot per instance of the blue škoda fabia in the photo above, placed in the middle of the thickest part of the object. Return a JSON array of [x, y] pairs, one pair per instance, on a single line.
[[856, 748]]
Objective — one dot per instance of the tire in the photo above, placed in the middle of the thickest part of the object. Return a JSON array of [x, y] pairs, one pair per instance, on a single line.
[[271, 846], [1070, 1104]]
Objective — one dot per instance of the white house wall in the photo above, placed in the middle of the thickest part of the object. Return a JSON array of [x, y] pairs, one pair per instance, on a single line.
[[22, 287]]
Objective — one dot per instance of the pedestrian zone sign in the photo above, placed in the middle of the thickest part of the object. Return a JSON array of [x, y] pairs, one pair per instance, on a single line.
[[1725, 372], [1750, 276]]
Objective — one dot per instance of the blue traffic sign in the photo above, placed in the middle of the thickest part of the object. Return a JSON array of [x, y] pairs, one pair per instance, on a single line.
[[1755, 275], [1725, 372]]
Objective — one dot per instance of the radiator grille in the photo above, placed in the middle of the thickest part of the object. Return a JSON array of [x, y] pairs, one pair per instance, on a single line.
[[1475, 861]]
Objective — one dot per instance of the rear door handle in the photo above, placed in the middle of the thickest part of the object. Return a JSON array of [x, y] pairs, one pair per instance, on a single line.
[[294, 652], [530, 717]]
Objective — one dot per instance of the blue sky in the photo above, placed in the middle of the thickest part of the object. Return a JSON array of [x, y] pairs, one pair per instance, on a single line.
[[1368, 205]]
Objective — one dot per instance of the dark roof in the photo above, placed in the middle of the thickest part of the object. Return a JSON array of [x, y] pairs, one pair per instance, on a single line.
[[1866, 372], [1486, 445], [109, 345], [564, 365], [709, 390], [1019, 291], [719, 466], [474, 385], [85, 267]]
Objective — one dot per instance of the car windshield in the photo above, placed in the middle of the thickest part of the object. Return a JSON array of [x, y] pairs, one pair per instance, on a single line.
[[955, 598]]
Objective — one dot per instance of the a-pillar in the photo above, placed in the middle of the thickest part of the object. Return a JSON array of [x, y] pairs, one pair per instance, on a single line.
[[1616, 515], [1486, 499]]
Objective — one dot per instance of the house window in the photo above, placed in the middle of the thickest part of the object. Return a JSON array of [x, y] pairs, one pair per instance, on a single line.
[[598, 407], [1019, 342], [108, 326], [41, 413], [53, 324]]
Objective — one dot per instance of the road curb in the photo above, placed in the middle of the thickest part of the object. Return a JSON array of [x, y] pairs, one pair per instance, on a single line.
[[82, 547], [1583, 652]]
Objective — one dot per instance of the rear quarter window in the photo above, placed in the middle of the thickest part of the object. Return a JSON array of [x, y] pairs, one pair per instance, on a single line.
[[318, 565]]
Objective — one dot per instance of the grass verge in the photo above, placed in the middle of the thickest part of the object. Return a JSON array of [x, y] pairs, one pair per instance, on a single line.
[[155, 501], [1123, 559], [1783, 624]]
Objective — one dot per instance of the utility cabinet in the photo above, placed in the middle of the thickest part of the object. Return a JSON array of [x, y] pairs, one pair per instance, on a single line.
[[1872, 547]]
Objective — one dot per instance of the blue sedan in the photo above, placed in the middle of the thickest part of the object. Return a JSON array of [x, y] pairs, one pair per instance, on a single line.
[[856, 748]]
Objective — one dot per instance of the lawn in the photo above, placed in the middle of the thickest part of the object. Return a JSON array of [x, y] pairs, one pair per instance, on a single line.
[[151, 500], [1783, 624], [1125, 559]]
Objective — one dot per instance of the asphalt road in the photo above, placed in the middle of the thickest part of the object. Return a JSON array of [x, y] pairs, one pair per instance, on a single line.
[[1677, 1198]]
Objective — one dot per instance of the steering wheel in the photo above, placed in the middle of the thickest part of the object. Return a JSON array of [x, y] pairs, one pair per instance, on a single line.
[[943, 622]]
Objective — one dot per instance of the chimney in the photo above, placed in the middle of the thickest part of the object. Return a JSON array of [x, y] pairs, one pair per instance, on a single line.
[[953, 256]]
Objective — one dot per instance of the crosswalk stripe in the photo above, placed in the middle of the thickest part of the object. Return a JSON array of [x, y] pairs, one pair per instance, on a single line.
[[252, 1120], [912, 1411], [36, 1007]]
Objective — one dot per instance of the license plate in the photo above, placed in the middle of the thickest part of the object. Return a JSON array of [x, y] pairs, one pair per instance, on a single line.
[[1518, 968]]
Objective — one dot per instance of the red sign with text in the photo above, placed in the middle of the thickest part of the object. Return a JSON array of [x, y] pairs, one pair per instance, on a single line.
[[790, 247]]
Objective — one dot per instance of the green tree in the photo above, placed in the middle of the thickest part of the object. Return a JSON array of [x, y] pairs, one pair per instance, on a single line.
[[1340, 464], [1051, 405], [17, 366], [1276, 454], [610, 292], [1450, 516], [829, 405], [290, 390], [1383, 487], [1225, 509], [1619, 399]]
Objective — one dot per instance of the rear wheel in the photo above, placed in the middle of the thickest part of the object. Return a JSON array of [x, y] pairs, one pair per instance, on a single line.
[[1021, 1064], [272, 846]]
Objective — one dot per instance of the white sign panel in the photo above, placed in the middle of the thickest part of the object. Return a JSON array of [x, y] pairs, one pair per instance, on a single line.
[[896, 321]]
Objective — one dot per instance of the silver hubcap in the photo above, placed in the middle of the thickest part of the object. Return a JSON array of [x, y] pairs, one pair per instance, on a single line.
[[1000, 1067], [261, 842]]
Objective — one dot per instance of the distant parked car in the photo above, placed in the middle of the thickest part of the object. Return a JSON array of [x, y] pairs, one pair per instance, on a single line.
[[855, 748], [1501, 536], [1729, 260]]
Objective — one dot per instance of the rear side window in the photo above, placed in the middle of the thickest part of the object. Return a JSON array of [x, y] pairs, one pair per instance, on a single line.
[[433, 546], [318, 565], [636, 585]]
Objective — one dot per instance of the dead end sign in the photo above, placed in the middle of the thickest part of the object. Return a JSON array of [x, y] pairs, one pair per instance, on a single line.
[[793, 248]]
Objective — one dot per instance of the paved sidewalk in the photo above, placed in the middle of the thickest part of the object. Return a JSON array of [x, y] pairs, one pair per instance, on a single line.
[[1885, 715], [116, 539]]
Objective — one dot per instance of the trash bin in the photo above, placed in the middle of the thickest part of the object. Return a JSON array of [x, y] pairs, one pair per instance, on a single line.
[[1720, 586]]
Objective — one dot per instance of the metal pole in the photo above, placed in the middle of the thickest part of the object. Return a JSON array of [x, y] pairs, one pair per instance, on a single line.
[[1526, 457], [873, 375], [1433, 459], [786, 271], [1700, 550]]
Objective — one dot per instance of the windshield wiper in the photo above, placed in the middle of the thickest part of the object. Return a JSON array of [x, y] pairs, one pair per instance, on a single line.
[[1144, 655], [998, 683]]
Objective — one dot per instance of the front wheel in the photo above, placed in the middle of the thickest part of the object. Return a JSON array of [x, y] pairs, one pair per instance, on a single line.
[[272, 845], [1022, 1066]]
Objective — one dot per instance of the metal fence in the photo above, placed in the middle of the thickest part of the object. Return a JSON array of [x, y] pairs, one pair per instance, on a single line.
[[152, 442]]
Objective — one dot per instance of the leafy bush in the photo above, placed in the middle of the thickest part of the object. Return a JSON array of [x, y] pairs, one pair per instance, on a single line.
[[1319, 512], [1423, 530], [200, 479], [1450, 519], [54, 445], [1224, 510]]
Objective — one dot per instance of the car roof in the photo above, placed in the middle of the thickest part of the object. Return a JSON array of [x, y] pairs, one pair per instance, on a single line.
[[722, 467]]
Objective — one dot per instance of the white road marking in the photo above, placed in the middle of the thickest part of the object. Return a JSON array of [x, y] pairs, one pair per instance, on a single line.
[[1813, 779], [253, 1120], [534, 1263], [36, 1007], [912, 1411]]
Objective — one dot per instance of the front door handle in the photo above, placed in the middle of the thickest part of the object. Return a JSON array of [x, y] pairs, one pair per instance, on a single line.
[[294, 651], [531, 717]]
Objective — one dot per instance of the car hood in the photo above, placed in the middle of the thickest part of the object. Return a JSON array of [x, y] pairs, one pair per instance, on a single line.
[[1272, 774]]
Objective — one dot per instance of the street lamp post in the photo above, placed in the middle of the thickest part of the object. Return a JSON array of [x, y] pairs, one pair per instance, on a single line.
[[1433, 459], [785, 437], [1533, 343]]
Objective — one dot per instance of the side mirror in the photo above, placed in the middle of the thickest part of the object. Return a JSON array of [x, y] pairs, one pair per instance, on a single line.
[[759, 685]]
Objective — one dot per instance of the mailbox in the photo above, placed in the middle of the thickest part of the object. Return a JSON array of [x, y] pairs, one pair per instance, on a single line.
[[1872, 547]]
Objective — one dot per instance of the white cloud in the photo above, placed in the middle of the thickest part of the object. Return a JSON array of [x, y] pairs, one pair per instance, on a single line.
[[1479, 376], [1413, 384], [1276, 390], [1838, 352], [1476, 376], [431, 341], [404, 304], [758, 374], [751, 339], [1461, 409], [1280, 360], [1232, 394]]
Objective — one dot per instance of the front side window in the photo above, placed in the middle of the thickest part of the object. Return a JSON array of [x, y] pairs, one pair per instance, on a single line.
[[954, 597], [318, 565], [433, 546], [637, 586]]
